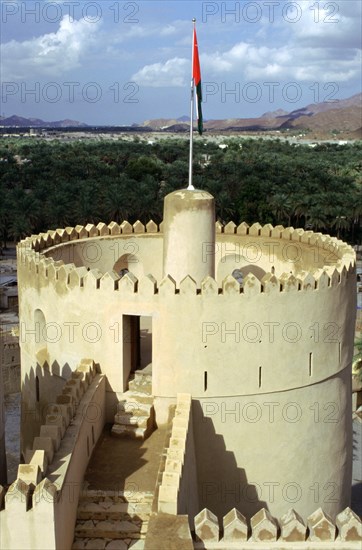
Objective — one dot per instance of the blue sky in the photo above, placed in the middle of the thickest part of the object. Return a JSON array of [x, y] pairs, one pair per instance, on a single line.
[[120, 62]]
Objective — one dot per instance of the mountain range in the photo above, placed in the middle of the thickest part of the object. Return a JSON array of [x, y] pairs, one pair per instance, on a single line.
[[340, 116], [343, 115]]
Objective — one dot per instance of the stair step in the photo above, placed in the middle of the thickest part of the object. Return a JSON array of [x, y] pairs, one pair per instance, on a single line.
[[114, 497], [111, 529], [112, 510], [121, 430], [142, 378], [144, 387], [135, 402], [140, 386], [103, 544], [131, 420]]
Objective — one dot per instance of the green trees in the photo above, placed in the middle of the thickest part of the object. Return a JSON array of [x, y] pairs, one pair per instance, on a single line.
[[44, 185]]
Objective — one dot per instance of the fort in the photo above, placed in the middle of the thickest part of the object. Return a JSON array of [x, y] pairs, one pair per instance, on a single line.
[[236, 341]]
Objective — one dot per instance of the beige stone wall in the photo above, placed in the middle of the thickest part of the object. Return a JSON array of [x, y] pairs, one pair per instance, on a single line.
[[284, 338], [279, 450], [47, 515]]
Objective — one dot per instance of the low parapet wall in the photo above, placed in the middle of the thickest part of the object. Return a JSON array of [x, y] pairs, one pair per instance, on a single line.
[[291, 532], [178, 488], [53, 501]]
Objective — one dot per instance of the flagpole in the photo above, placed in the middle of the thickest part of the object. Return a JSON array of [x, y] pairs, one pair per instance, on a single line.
[[190, 186]]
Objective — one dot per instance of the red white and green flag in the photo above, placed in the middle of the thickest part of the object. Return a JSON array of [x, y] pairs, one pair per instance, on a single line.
[[196, 75]]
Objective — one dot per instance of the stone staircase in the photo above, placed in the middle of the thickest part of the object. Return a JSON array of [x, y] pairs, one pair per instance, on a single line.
[[135, 415], [109, 520]]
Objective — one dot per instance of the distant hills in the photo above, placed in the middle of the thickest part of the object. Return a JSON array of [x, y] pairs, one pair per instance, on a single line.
[[15, 121], [341, 116]]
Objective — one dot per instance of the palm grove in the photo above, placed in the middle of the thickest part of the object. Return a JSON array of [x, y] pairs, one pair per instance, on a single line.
[[46, 185]]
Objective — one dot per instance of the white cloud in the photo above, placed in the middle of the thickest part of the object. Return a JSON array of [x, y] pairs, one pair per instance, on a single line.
[[172, 73], [50, 54]]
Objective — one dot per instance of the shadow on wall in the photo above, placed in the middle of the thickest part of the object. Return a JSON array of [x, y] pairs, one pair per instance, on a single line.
[[40, 388], [129, 263], [222, 484], [233, 263]]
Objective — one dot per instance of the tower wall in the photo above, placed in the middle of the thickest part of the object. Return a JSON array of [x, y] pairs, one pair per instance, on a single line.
[[280, 345], [189, 232]]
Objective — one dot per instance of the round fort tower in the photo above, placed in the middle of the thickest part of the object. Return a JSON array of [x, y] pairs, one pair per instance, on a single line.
[[265, 356]]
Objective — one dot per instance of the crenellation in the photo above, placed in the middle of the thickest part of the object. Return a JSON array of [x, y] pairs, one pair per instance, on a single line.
[[92, 230], [321, 527], [287, 233], [128, 284], [92, 279], [138, 227], [126, 228], [264, 528], [63, 235], [235, 527], [288, 283], [219, 228], [63, 273], [30, 474], [277, 231], [114, 228], [76, 277], [81, 232], [349, 526], [44, 444], [270, 284], [266, 230], [251, 286], [307, 281], [292, 527], [167, 286], [55, 237], [147, 286], [334, 276], [103, 229], [188, 286], [313, 239], [72, 233], [255, 229], [306, 236], [54, 432], [230, 286], [207, 526], [209, 286], [230, 228], [109, 281], [242, 229], [297, 235], [322, 279], [151, 227]]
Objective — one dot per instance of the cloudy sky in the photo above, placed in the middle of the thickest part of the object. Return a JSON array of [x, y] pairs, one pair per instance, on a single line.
[[120, 62]]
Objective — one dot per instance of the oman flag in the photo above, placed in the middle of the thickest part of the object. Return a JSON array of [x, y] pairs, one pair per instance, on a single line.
[[196, 75]]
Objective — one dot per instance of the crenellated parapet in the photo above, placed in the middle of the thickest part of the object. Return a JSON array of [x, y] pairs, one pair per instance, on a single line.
[[48, 485], [68, 277], [35, 254], [289, 532]]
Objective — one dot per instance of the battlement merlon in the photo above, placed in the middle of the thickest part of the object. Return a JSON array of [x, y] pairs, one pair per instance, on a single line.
[[255, 249]]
